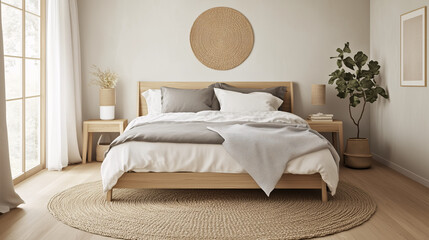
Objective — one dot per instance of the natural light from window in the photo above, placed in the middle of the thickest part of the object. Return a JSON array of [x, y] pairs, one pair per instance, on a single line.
[[22, 49]]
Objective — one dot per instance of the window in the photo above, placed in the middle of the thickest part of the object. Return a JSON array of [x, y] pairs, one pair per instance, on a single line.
[[23, 38]]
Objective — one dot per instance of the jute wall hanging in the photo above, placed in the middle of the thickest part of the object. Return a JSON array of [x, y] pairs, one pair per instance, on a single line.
[[221, 38]]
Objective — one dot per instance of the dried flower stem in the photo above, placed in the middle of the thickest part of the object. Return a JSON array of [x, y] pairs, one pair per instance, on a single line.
[[104, 79]]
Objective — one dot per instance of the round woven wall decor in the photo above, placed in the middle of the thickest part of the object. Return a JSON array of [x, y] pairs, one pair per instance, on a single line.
[[221, 38]]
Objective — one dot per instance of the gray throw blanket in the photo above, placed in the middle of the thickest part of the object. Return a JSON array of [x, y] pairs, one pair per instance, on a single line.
[[173, 132], [262, 149]]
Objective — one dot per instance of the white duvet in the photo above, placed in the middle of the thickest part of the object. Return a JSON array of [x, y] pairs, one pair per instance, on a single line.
[[183, 157]]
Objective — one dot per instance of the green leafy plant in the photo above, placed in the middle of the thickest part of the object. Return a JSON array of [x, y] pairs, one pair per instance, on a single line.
[[355, 79]]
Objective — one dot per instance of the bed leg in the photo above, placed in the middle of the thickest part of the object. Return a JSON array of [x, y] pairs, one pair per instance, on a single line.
[[324, 192], [109, 195]]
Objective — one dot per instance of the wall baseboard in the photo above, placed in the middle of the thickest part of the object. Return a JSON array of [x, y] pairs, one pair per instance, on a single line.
[[401, 170]]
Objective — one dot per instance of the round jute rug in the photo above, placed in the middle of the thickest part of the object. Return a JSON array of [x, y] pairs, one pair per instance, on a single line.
[[211, 214]]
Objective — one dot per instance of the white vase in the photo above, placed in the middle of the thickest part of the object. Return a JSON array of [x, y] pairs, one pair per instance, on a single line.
[[107, 112], [107, 103]]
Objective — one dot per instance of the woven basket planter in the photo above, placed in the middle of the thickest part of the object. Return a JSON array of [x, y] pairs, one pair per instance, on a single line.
[[357, 153]]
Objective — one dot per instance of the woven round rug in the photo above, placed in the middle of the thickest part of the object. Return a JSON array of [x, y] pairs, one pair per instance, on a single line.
[[221, 38], [211, 214]]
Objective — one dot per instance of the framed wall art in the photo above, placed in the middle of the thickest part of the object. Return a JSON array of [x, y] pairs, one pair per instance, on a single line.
[[413, 48]]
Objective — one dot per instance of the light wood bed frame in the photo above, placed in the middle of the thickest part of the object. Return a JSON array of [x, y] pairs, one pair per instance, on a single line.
[[188, 180]]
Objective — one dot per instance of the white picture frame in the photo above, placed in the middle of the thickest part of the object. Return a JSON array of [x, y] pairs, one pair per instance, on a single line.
[[413, 48]]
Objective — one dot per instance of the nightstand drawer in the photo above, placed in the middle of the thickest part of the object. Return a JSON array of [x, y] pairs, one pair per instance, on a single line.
[[103, 128], [325, 127]]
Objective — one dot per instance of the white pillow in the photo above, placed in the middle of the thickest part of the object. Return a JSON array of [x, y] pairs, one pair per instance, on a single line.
[[247, 102], [153, 100]]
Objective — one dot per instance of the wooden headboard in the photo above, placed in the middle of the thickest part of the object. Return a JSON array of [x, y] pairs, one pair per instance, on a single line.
[[287, 105]]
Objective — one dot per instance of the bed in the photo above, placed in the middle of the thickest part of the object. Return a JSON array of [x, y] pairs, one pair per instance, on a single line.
[[324, 169]]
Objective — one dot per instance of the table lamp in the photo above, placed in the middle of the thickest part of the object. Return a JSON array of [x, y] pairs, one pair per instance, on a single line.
[[318, 95], [318, 98]]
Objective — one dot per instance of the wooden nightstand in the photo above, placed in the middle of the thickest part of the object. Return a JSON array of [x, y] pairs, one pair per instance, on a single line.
[[91, 126], [336, 128]]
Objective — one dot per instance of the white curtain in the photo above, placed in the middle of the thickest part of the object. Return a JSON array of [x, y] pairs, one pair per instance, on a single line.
[[63, 85], [8, 197]]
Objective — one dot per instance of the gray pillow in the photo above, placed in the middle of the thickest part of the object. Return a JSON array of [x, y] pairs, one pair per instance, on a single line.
[[186, 100], [215, 102], [279, 92]]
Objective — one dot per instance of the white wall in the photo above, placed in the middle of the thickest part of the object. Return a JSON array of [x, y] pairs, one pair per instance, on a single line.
[[399, 126], [149, 40]]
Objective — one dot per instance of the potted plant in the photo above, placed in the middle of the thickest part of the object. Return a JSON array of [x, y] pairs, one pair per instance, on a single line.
[[355, 80], [106, 80]]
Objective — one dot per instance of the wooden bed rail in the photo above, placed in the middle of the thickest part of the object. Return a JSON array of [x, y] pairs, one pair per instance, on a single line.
[[214, 181]]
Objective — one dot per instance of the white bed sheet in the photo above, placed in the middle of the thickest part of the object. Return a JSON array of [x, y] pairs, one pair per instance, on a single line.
[[183, 157]]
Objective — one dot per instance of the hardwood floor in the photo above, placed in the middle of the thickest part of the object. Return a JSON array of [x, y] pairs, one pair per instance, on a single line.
[[402, 213]]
